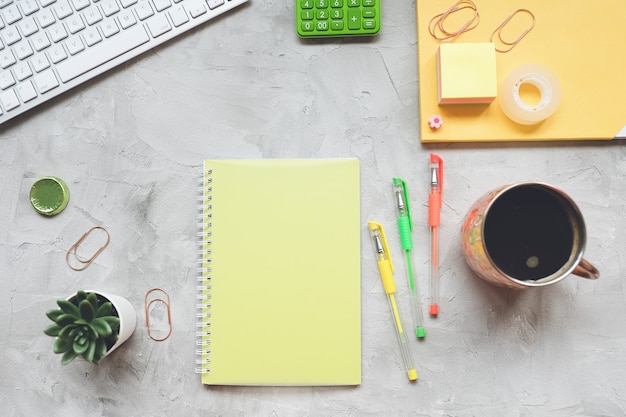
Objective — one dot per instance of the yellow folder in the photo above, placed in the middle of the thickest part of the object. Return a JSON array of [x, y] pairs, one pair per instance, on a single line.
[[580, 42], [281, 272]]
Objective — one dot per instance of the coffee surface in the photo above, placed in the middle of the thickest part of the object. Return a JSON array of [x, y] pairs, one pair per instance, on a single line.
[[528, 232]]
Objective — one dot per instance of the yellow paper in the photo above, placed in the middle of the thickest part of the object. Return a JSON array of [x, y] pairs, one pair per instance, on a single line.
[[285, 272], [466, 73], [578, 42]]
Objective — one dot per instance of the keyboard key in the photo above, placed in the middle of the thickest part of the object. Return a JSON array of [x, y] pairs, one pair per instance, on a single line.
[[11, 14], [178, 16], [127, 19], [29, 6], [28, 26], [26, 91], [215, 3], [40, 63], [127, 3], [158, 25], [80, 4], [93, 16], [75, 24], [57, 32], [22, 71], [102, 53], [9, 100], [75, 45], [10, 35], [7, 58], [40, 41], [57, 53], [161, 5], [23, 49], [144, 10], [196, 8], [6, 79], [46, 81], [109, 28], [62, 9], [92, 36], [45, 18], [110, 7]]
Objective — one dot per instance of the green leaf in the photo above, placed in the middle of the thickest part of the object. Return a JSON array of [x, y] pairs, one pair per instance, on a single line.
[[69, 331], [80, 346], [104, 310], [90, 353], [113, 321], [53, 314], [68, 307], [65, 320], [62, 345], [102, 327], [53, 330], [101, 348], [81, 295], [68, 357], [87, 311], [93, 299]]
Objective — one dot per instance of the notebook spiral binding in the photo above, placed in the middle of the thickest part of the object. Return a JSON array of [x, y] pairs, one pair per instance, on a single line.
[[203, 288]]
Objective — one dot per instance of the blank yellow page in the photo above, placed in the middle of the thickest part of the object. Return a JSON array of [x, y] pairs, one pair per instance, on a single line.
[[285, 281]]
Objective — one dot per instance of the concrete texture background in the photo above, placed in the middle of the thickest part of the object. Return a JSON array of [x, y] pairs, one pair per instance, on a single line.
[[130, 143]]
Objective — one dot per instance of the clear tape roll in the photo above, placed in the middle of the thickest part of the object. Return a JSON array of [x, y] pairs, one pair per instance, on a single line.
[[548, 86]]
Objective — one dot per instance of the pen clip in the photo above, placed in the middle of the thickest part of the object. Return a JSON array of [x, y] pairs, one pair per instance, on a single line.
[[402, 198], [437, 162], [380, 241]]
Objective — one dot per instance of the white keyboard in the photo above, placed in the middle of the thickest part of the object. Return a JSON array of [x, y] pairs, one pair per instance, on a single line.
[[49, 46]]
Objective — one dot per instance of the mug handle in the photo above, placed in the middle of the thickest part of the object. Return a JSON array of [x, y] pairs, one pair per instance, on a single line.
[[586, 270]]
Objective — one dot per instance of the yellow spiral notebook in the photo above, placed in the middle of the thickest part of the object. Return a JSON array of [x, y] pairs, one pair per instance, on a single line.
[[280, 273]]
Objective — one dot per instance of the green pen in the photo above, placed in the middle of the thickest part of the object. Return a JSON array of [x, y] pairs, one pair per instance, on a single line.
[[404, 227]]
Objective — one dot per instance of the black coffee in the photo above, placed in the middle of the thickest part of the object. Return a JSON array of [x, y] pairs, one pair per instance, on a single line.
[[528, 232]]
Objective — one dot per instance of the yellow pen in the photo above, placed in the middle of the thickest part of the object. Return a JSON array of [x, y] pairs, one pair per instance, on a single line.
[[385, 266]]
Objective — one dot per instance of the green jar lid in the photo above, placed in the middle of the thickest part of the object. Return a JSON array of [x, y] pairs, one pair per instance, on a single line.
[[49, 196]]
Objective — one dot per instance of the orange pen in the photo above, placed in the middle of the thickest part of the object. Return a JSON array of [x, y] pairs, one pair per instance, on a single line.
[[434, 220]]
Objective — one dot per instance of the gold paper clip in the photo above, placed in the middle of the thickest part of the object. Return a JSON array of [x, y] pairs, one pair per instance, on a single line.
[[147, 305], [498, 30], [74, 248], [436, 24]]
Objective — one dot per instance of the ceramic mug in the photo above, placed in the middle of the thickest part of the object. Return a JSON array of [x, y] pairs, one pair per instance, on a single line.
[[528, 234]]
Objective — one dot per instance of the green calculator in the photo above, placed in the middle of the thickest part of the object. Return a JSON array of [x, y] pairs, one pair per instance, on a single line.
[[326, 18]]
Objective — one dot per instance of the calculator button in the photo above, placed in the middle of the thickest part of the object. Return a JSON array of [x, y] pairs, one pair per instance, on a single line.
[[336, 25], [322, 14], [306, 4], [307, 15], [336, 3], [369, 23], [307, 26], [369, 3], [321, 4], [354, 19], [354, 3], [336, 14], [322, 25], [369, 13]]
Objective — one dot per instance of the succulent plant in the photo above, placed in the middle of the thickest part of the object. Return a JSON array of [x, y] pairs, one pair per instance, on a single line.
[[85, 325]]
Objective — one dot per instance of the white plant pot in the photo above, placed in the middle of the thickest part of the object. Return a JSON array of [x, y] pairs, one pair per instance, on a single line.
[[126, 313]]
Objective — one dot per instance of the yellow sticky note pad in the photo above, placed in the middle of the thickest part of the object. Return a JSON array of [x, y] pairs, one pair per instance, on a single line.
[[466, 73]]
